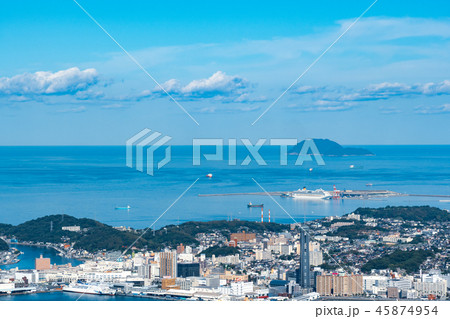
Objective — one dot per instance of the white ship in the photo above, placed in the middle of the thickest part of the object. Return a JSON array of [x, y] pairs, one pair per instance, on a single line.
[[309, 194], [91, 289]]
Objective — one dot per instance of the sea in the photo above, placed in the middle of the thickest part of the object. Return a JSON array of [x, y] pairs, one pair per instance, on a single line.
[[93, 181]]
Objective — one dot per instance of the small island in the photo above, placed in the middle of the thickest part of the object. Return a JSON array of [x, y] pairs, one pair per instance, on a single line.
[[327, 147]]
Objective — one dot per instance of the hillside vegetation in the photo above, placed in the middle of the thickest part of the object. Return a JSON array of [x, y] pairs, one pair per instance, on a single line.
[[220, 251], [92, 237], [3, 245], [413, 213], [407, 260], [95, 236]]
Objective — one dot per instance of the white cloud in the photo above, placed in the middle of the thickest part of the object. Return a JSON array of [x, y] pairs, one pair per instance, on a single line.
[[89, 94], [436, 88], [49, 83], [249, 98], [381, 91], [322, 106], [78, 109], [389, 110], [217, 85], [445, 108], [171, 86], [242, 108], [325, 108], [114, 106], [307, 89]]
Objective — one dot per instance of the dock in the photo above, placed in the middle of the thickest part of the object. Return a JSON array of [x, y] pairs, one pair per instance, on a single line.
[[342, 194], [345, 194], [243, 194]]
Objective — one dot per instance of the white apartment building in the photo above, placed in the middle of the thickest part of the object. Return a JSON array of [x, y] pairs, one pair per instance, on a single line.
[[315, 254]]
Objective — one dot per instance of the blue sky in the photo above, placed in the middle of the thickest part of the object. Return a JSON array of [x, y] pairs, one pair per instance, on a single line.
[[63, 81]]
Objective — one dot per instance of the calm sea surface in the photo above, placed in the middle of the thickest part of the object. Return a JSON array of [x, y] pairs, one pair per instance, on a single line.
[[92, 181]]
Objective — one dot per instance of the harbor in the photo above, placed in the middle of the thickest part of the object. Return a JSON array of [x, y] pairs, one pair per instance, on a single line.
[[337, 194], [333, 194]]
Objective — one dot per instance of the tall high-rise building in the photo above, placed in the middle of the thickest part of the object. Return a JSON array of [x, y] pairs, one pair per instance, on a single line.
[[303, 273], [168, 264]]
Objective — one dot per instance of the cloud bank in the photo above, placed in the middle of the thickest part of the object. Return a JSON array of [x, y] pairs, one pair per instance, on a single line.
[[445, 108], [344, 98], [219, 86], [68, 81]]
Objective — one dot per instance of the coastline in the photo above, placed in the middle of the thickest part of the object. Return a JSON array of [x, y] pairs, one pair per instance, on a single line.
[[48, 246]]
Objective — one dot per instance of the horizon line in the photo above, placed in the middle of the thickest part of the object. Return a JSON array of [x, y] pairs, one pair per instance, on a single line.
[[190, 145]]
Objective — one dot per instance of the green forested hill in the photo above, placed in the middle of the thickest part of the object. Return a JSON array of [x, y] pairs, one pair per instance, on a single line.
[[95, 236], [92, 237], [415, 213], [220, 251], [3, 245], [407, 260], [185, 233]]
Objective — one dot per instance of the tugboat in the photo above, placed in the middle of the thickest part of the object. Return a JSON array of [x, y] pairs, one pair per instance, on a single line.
[[250, 205]]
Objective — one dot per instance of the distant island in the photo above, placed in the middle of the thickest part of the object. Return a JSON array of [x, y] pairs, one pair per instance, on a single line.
[[327, 147]]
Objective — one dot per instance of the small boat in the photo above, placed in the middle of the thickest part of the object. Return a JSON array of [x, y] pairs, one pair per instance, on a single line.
[[369, 184], [444, 200], [250, 205], [209, 175], [123, 208]]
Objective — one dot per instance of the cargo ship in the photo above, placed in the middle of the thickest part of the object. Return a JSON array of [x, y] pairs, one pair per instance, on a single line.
[[250, 205]]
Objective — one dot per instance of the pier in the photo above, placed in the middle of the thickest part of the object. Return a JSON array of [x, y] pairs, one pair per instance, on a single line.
[[342, 194], [243, 194]]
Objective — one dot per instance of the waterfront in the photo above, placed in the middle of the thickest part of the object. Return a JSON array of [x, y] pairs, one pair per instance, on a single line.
[[64, 296], [262, 262], [30, 253]]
